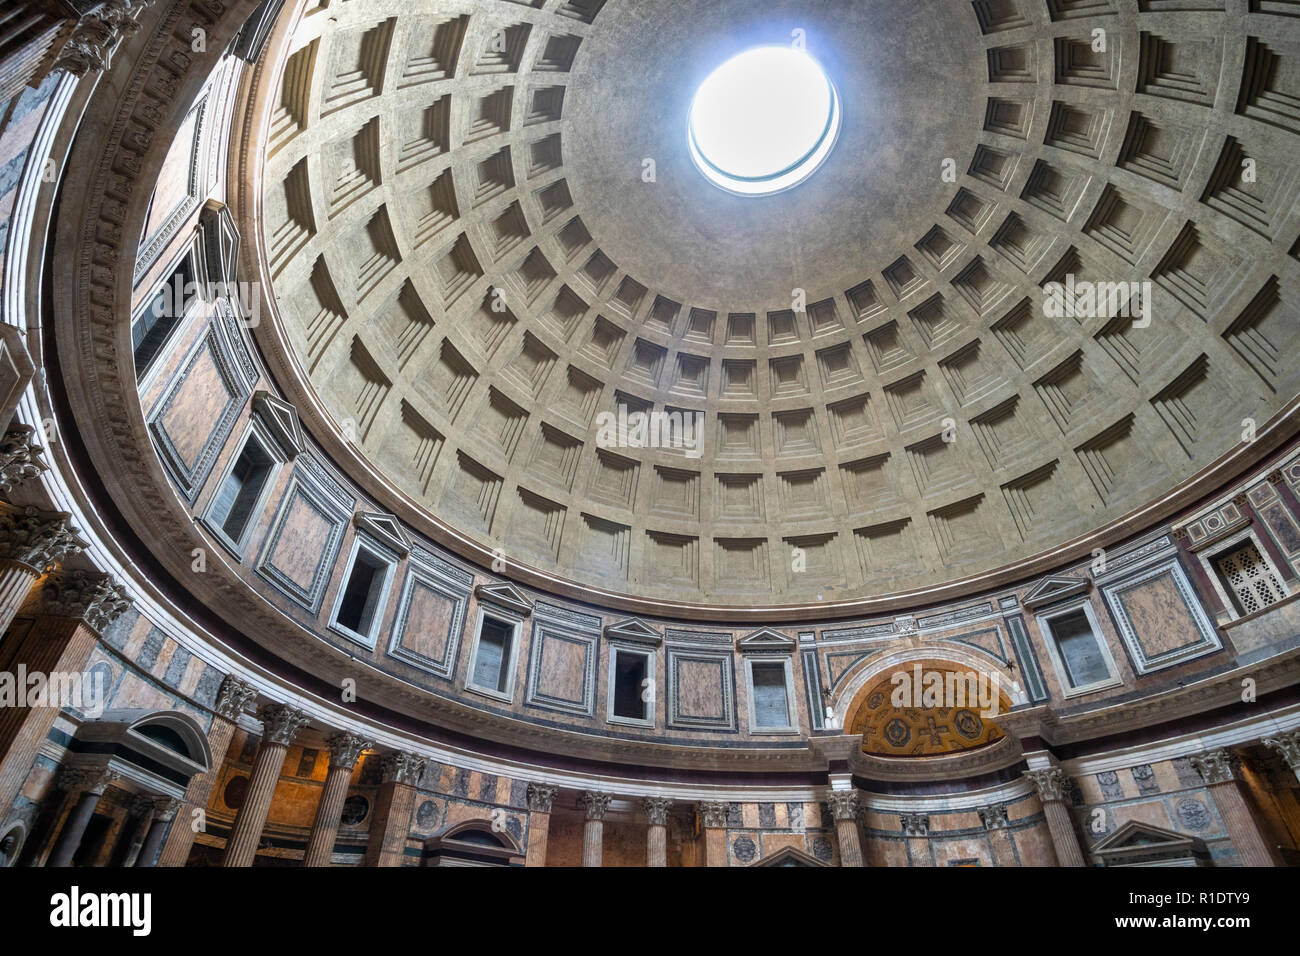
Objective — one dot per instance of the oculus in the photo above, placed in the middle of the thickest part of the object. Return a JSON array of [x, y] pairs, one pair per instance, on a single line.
[[764, 121]]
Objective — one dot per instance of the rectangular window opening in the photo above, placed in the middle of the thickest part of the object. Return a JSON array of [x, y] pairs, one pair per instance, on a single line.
[[166, 308], [232, 510], [492, 662], [361, 594], [630, 673], [1081, 653], [771, 702]]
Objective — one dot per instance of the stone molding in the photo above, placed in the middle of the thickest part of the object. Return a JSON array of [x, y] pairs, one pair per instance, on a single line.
[[234, 697], [87, 779], [994, 817], [914, 824]]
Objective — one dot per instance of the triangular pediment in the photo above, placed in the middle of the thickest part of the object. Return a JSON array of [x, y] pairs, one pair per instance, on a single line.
[[384, 527], [1136, 835], [634, 629], [504, 595], [765, 639], [1055, 588], [789, 856], [281, 421]]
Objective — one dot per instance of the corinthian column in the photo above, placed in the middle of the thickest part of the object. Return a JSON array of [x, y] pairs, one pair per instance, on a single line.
[[280, 724], [713, 824], [69, 609], [31, 540], [20, 459], [593, 831], [345, 748], [233, 698], [87, 786], [1287, 746], [392, 818], [540, 801], [1220, 770], [1050, 784], [164, 811], [656, 838], [844, 808]]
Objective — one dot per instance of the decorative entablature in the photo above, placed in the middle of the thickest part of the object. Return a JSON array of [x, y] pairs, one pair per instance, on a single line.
[[281, 421], [504, 595], [765, 640], [636, 630], [1215, 525], [1055, 588], [384, 528]]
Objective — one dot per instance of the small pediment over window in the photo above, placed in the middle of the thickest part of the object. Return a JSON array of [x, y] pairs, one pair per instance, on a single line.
[[505, 595], [1140, 844], [220, 246], [385, 528], [1053, 589], [789, 856], [634, 629], [765, 639], [281, 421]]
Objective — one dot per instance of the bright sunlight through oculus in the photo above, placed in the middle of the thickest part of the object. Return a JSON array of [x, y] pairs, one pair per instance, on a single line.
[[764, 121]]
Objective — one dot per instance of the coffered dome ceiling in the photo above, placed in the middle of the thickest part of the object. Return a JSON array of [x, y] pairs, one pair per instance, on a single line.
[[483, 229]]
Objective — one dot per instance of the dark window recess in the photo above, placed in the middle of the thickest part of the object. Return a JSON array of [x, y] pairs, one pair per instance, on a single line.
[[1084, 662], [771, 706], [233, 508], [165, 736], [152, 328], [629, 684], [361, 594], [493, 654]]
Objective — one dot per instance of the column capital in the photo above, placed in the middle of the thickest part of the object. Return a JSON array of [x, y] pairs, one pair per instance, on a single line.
[[281, 723], [994, 817], [596, 803], [165, 808], [92, 597], [96, 36], [346, 748], [540, 798], [87, 779], [656, 808], [402, 767], [713, 814], [1216, 766], [1287, 746], [915, 824], [233, 697], [20, 458], [843, 804], [37, 538], [1050, 783]]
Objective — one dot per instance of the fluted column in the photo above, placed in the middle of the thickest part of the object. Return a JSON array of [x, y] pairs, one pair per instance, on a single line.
[[31, 541], [1050, 783], [233, 698], [142, 809], [656, 838], [87, 786], [280, 724], [593, 831], [69, 609], [1220, 769], [345, 748], [713, 824], [540, 801], [844, 808], [1287, 746], [392, 819], [164, 811]]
